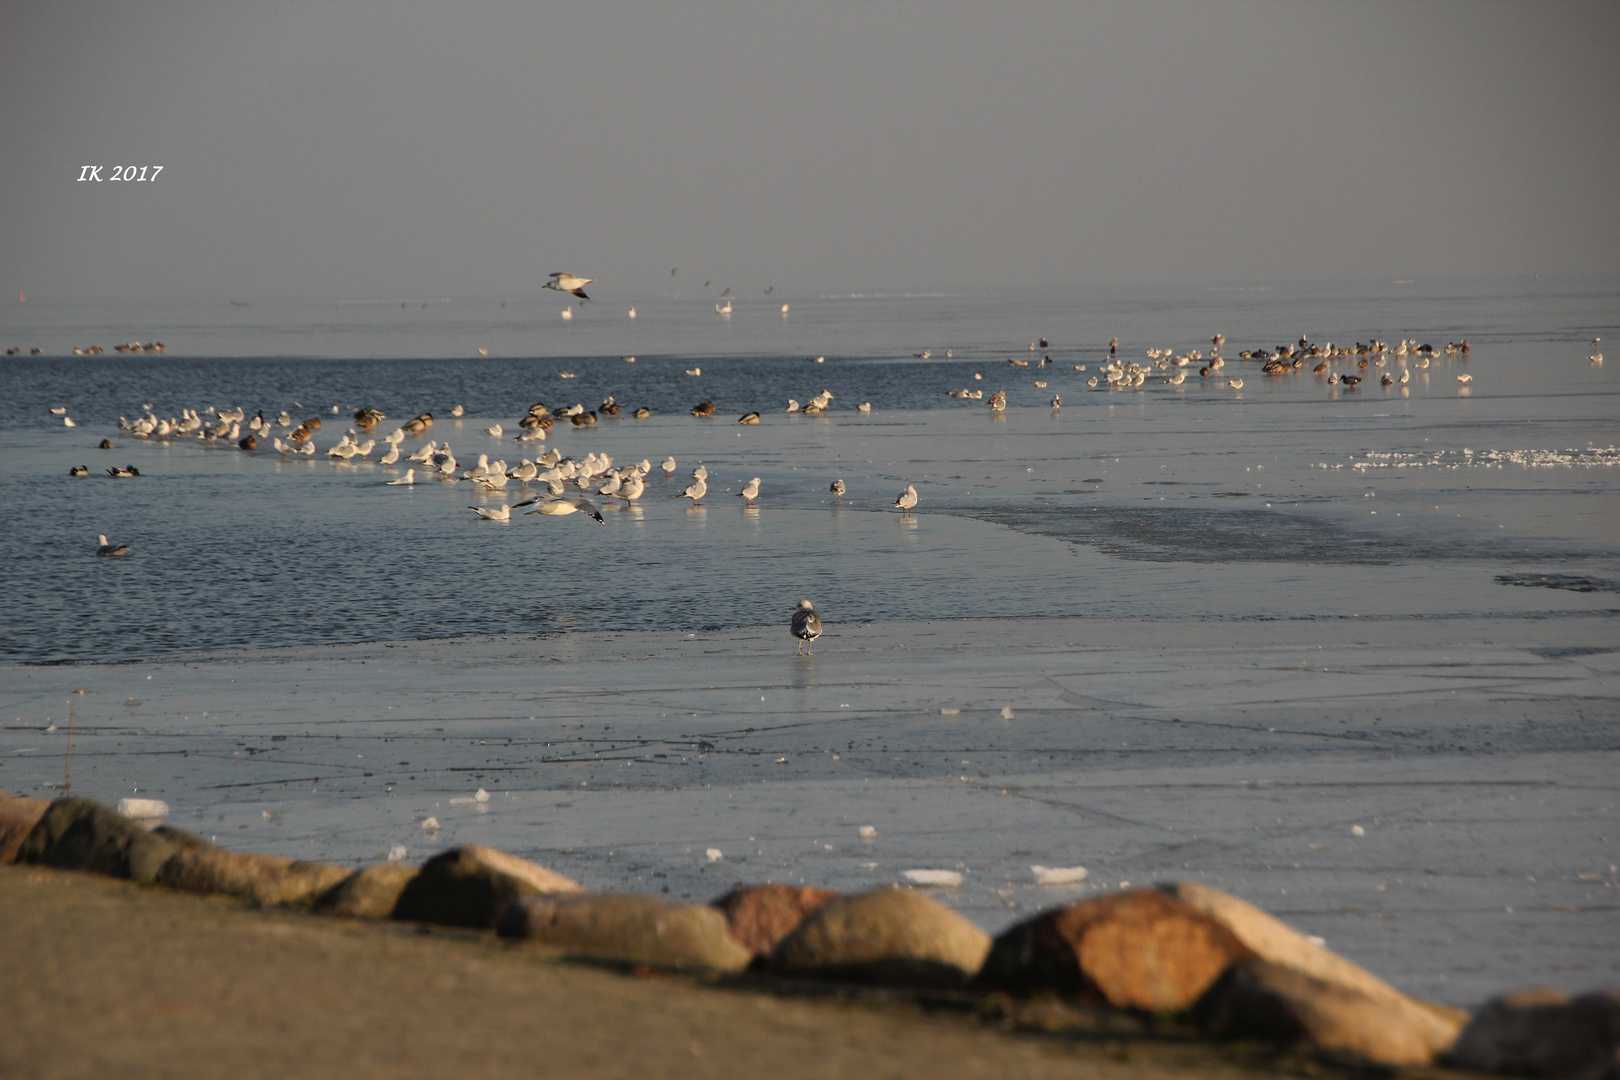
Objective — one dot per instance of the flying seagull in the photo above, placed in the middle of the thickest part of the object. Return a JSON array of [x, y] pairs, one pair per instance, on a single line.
[[562, 507], [568, 283]]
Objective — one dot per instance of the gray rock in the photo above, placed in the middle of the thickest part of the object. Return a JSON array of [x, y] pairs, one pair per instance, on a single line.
[[627, 927], [472, 884], [1133, 950], [1543, 1033], [891, 935], [1257, 999], [269, 880], [78, 834], [370, 893], [1274, 940]]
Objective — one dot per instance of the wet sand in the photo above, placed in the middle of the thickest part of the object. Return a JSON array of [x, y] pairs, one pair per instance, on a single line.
[[1435, 798]]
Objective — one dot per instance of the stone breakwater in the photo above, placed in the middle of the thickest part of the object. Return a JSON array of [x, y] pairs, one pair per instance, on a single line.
[[1179, 951]]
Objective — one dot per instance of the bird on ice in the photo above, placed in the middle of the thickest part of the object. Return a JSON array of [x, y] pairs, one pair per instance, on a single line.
[[837, 488], [806, 624], [696, 490], [564, 507], [750, 491], [568, 283], [407, 479], [907, 499], [105, 548], [489, 513]]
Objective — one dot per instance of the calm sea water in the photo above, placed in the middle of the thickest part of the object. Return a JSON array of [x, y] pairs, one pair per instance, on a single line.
[[1286, 499]]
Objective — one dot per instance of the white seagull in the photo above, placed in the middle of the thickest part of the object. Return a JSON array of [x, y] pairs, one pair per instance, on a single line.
[[568, 283], [563, 507], [501, 513], [907, 499], [806, 624], [408, 478], [750, 491], [696, 490]]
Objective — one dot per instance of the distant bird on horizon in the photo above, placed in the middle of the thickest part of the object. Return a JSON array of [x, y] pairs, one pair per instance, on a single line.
[[562, 281], [806, 624]]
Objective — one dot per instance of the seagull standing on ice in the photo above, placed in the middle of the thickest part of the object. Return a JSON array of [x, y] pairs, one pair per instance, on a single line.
[[500, 513], [907, 499], [750, 491], [568, 283], [837, 488], [407, 479], [696, 490], [806, 624]]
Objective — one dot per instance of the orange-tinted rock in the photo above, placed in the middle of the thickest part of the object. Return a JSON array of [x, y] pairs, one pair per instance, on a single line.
[[762, 915], [18, 816], [1133, 950]]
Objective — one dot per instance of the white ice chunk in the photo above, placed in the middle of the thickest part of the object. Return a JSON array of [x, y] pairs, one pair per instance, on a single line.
[[1006, 712], [430, 825], [1058, 875], [867, 832], [715, 854], [1357, 830], [481, 795], [396, 853], [143, 808], [944, 878]]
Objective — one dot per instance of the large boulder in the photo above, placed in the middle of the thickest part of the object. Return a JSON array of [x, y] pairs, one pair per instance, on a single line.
[[1543, 1033], [78, 834], [1134, 950], [471, 885], [18, 816], [627, 927], [269, 880], [370, 893], [890, 935], [762, 915], [1258, 999], [1279, 943]]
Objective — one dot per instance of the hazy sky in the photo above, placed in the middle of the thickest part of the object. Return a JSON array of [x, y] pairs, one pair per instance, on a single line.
[[368, 149]]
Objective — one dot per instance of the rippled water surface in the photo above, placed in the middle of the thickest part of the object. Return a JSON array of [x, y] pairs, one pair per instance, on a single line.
[[1285, 499]]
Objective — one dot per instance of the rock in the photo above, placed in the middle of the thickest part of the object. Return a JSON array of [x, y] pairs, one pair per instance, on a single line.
[[762, 915], [1274, 940], [472, 884], [1259, 999], [891, 935], [77, 834], [18, 816], [269, 880], [628, 927], [1135, 950], [1543, 1033], [368, 894]]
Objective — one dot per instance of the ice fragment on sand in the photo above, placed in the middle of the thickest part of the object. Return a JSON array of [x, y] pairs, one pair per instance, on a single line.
[[1006, 712], [481, 796], [1058, 875], [1357, 830], [867, 832], [715, 854], [949, 878], [143, 808], [396, 853]]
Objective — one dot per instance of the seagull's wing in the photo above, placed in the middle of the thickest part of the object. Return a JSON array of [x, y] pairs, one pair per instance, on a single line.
[[581, 294], [590, 508]]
